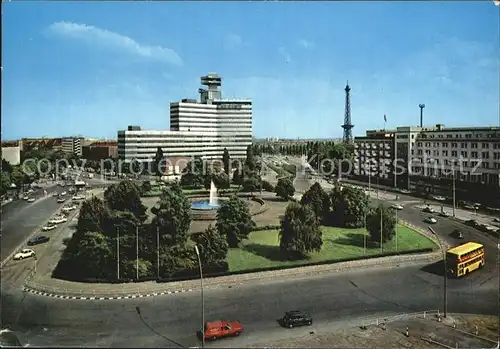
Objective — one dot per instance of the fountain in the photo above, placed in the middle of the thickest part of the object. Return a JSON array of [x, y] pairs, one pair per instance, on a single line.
[[211, 204], [213, 200]]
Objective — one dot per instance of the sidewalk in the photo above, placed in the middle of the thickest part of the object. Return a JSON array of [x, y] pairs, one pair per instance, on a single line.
[[463, 215], [42, 283]]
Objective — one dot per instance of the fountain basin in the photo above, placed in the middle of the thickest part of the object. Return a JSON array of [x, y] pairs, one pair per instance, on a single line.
[[204, 205]]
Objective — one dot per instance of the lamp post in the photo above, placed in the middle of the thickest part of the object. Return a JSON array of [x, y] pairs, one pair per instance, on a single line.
[[453, 188], [381, 229], [158, 252], [445, 281], [118, 253], [364, 238], [137, 252], [396, 230], [202, 298]]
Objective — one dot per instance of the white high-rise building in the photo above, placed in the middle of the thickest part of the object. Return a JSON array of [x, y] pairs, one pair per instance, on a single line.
[[197, 128]]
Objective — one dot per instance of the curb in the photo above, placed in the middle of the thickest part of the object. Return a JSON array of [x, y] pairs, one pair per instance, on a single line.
[[96, 298], [308, 271]]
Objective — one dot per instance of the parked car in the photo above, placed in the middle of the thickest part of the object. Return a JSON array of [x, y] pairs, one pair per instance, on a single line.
[[431, 220], [457, 234], [25, 253], [444, 214], [472, 223], [78, 197], [58, 220], [220, 329], [496, 220], [397, 207], [55, 194], [38, 240], [49, 227], [439, 198], [428, 209], [69, 208], [63, 193], [31, 200], [295, 318], [61, 200]]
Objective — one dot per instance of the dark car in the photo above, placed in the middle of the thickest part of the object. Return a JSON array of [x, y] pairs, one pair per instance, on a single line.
[[472, 223], [38, 240], [296, 318], [457, 234]]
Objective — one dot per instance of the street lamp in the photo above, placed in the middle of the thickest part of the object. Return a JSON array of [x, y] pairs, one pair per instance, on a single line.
[[202, 298], [445, 281]]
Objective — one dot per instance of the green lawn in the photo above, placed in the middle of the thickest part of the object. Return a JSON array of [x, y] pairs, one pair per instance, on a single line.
[[262, 248]]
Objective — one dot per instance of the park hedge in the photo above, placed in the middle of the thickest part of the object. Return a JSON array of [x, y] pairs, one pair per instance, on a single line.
[[194, 274]]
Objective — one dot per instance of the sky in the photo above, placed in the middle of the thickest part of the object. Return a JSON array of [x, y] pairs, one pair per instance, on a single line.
[[92, 68]]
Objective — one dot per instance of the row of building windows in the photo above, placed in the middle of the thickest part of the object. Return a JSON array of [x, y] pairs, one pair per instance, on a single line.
[[484, 145], [459, 135], [473, 154]]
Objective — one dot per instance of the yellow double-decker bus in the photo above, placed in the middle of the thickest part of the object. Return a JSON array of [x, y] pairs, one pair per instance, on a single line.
[[464, 258]]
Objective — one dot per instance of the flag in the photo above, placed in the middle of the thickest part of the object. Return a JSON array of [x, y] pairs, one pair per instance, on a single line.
[[385, 118]]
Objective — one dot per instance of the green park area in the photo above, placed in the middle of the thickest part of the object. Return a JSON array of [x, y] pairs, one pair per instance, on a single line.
[[261, 249], [154, 238]]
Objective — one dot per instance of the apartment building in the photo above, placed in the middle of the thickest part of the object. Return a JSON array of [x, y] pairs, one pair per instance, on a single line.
[[197, 128], [72, 145], [436, 155]]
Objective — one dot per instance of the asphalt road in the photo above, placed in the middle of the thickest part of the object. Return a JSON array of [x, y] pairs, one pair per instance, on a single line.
[[21, 218], [171, 321]]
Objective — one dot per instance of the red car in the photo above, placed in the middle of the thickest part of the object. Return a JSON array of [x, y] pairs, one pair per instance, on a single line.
[[220, 329]]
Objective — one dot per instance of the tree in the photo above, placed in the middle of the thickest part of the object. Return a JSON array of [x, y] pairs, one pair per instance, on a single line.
[[284, 188], [94, 255], [237, 177], [226, 160], [193, 174], [4, 182], [318, 199], [267, 186], [349, 207], [379, 215], [173, 216], [17, 177], [250, 162], [6, 166], [221, 180], [250, 184], [125, 196], [146, 186], [93, 216], [300, 232], [234, 220], [213, 249], [159, 170]]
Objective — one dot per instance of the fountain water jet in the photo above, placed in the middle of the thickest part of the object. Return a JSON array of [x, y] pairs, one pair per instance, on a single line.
[[213, 199]]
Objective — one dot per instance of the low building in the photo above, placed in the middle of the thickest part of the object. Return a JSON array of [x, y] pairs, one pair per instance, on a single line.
[[11, 152], [49, 144], [100, 150]]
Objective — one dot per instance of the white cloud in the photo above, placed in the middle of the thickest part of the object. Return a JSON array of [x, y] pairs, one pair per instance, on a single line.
[[283, 52], [232, 41], [112, 40], [305, 43], [496, 2]]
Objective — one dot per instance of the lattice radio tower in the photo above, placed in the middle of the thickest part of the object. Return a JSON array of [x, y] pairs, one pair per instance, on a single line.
[[347, 126]]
